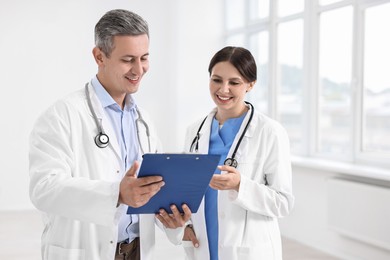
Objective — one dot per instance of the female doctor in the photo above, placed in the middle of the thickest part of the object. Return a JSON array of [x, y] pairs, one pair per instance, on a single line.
[[252, 186], [84, 151]]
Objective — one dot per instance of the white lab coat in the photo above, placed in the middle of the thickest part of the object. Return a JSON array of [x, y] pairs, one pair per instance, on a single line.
[[248, 227], [76, 184]]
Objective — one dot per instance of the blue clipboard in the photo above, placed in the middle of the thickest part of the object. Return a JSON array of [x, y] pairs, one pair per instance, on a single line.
[[186, 178]]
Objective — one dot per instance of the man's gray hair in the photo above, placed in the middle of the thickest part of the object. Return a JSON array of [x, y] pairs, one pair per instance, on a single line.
[[118, 22]]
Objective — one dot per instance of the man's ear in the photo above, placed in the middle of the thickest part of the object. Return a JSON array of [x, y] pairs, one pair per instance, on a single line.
[[98, 55]]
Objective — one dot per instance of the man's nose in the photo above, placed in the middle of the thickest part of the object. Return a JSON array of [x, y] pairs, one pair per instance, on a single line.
[[137, 68]]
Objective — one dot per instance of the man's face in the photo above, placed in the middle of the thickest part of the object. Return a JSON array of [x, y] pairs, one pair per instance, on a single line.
[[122, 71]]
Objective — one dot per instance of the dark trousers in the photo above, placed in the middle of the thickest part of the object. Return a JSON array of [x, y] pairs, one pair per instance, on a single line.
[[129, 251]]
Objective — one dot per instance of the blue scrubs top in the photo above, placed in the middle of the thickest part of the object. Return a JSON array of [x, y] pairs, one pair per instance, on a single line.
[[221, 139]]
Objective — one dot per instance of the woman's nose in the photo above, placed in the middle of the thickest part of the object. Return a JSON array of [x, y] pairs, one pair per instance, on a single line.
[[225, 87]]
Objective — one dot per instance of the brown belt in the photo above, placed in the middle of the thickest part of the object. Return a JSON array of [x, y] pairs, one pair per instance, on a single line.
[[123, 248]]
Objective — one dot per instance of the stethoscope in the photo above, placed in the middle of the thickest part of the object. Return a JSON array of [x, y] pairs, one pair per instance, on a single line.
[[229, 161], [101, 139]]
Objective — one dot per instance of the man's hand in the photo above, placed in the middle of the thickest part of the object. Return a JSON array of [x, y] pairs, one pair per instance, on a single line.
[[176, 219], [189, 235], [226, 181], [137, 192]]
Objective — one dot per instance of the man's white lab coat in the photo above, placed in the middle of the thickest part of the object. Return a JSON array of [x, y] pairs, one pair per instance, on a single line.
[[76, 184]]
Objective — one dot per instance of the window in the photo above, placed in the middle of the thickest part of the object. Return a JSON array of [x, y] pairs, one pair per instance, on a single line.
[[290, 62], [260, 50], [258, 9], [376, 83], [322, 72], [334, 97], [327, 2], [288, 7]]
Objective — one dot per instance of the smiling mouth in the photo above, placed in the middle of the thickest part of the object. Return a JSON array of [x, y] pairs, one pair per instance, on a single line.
[[224, 98], [133, 79]]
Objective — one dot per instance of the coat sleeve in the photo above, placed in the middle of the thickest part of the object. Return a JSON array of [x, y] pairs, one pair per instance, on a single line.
[[174, 235], [54, 188], [271, 194]]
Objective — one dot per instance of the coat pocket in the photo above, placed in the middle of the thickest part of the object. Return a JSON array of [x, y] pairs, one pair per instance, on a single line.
[[188, 249], [60, 253], [258, 252]]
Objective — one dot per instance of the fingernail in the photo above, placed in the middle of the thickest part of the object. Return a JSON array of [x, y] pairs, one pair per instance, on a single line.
[[196, 245]]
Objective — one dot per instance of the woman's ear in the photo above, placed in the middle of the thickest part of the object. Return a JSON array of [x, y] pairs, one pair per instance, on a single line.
[[250, 86]]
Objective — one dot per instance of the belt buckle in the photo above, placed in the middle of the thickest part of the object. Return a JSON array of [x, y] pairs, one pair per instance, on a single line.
[[120, 248]]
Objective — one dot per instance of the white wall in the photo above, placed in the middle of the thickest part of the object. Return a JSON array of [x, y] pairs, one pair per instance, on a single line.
[[309, 224], [197, 43], [195, 33], [46, 53]]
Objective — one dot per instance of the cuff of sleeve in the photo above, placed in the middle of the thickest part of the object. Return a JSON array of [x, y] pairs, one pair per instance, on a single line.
[[120, 209], [236, 196], [175, 235]]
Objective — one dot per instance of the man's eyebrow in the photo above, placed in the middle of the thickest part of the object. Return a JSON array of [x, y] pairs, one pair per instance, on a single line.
[[134, 56]]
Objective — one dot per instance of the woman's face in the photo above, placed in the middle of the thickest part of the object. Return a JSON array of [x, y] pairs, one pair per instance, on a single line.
[[228, 88]]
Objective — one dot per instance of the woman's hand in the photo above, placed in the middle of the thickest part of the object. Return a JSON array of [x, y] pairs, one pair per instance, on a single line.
[[226, 181]]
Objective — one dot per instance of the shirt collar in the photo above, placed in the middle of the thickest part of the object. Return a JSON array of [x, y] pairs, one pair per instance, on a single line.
[[106, 99]]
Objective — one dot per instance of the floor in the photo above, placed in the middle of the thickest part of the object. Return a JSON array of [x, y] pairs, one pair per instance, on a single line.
[[24, 228]]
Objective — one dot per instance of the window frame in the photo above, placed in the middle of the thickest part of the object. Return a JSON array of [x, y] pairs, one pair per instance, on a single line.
[[311, 81]]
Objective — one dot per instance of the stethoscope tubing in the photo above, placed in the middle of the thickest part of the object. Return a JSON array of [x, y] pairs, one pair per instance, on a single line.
[[102, 139], [243, 132]]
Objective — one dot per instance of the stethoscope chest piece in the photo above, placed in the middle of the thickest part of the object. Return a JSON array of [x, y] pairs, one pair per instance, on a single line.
[[102, 140], [231, 162]]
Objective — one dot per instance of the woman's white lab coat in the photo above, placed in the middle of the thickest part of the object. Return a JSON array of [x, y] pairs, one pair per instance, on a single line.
[[248, 227], [76, 184]]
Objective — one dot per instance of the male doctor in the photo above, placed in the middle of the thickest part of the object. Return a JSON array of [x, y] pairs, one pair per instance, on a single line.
[[84, 153]]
